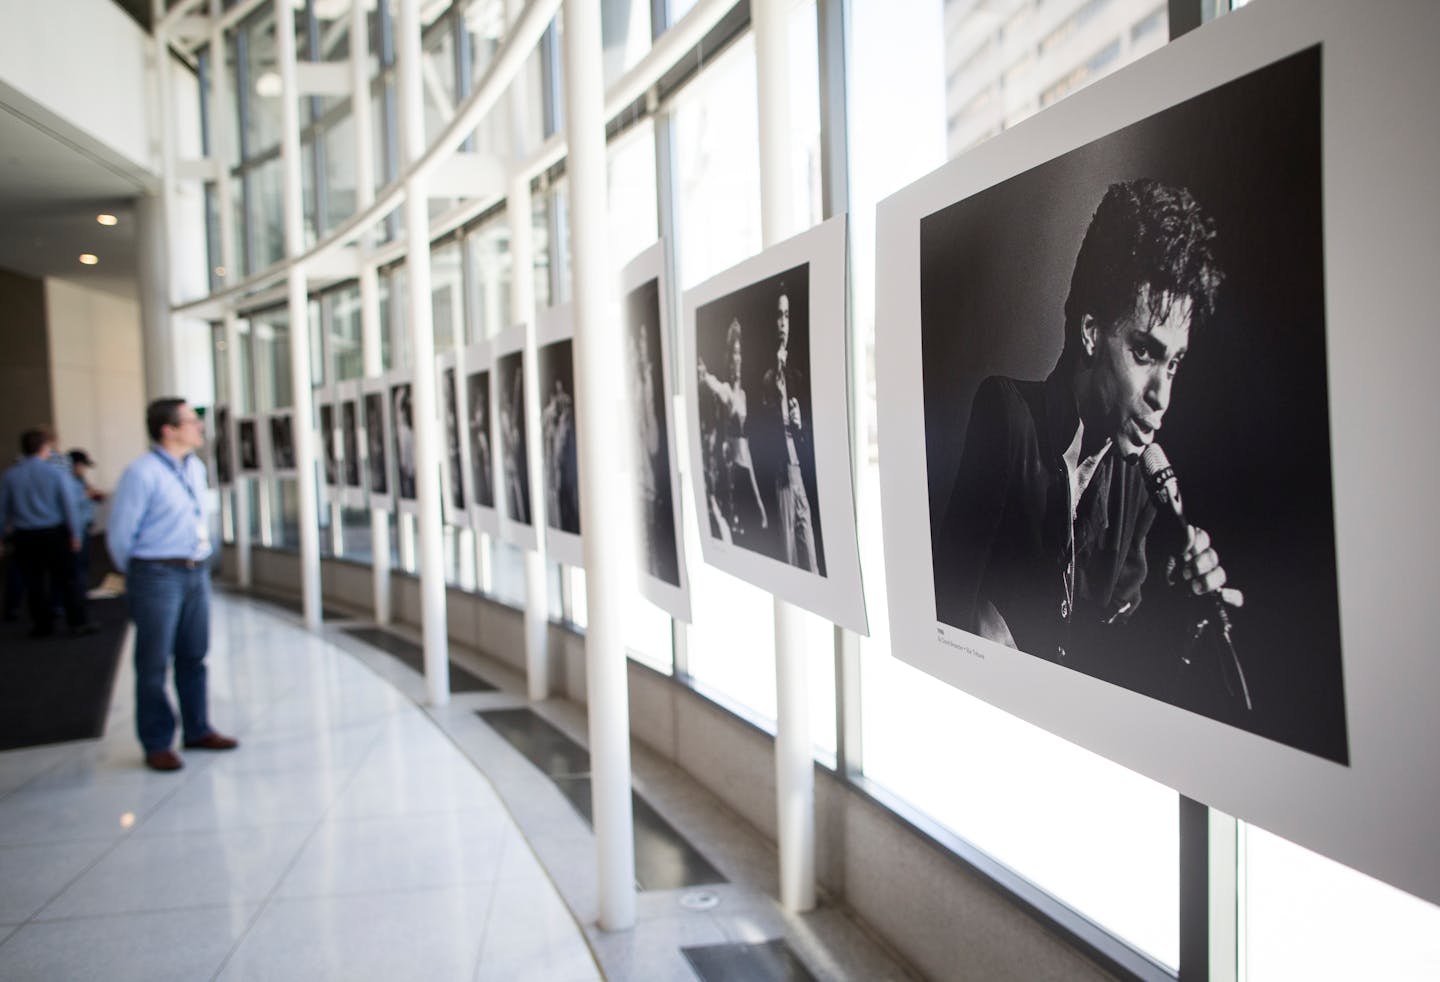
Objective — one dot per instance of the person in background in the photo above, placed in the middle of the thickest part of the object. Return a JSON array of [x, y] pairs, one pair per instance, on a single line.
[[86, 498], [37, 507], [159, 537]]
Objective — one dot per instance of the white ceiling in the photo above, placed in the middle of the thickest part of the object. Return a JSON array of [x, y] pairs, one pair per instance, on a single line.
[[51, 189]]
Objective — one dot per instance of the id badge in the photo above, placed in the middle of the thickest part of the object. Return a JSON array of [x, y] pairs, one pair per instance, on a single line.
[[202, 536]]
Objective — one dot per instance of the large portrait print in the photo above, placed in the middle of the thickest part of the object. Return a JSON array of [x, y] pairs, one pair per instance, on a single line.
[[402, 429], [647, 356], [353, 488], [765, 362], [446, 373], [1120, 350], [479, 446], [281, 428], [1158, 325], [512, 432], [377, 458], [560, 463], [329, 446], [224, 454], [247, 441]]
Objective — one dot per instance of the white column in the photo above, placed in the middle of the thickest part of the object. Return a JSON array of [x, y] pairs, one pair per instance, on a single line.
[[606, 482], [519, 213], [422, 348], [371, 348], [221, 107], [303, 400], [241, 487], [794, 769], [152, 273]]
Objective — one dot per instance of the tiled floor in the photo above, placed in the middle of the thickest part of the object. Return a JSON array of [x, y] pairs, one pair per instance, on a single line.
[[348, 838]]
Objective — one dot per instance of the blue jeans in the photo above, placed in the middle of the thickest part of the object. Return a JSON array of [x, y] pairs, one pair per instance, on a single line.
[[170, 606]]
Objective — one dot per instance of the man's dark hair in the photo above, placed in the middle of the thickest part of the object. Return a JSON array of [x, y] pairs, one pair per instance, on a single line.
[[32, 440], [161, 413], [1143, 232]]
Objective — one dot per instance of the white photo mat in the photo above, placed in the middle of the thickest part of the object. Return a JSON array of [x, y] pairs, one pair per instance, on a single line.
[[639, 273], [478, 359], [1376, 813], [518, 530], [556, 326], [838, 595]]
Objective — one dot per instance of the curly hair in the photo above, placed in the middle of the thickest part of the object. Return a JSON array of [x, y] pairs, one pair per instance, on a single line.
[[1144, 233]]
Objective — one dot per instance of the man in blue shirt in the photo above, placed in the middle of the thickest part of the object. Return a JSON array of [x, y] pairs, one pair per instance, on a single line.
[[36, 503], [85, 499], [159, 537]]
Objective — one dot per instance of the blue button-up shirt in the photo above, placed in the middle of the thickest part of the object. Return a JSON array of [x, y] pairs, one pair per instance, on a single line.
[[34, 494], [84, 507], [158, 510]]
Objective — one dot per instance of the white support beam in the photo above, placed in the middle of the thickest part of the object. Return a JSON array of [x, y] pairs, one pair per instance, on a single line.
[[794, 767], [303, 426], [469, 175], [343, 264], [607, 482], [434, 626], [324, 78], [198, 169]]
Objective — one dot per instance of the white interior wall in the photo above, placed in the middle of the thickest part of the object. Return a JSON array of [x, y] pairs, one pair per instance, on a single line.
[[96, 375], [85, 62]]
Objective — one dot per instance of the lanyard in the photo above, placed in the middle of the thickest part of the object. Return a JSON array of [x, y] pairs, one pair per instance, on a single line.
[[179, 476]]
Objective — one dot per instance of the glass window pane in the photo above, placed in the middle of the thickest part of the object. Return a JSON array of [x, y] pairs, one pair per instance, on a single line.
[[265, 215], [967, 73], [262, 70], [338, 139], [1308, 917], [345, 332], [488, 255], [633, 208], [718, 167], [624, 35], [447, 296]]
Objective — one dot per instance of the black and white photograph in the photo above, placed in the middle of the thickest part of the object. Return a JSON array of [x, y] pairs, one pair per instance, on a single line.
[[329, 447], [247, 437], [350, 442], [756, 422], [402, 425], [282, 444], [647, 341], [482, 473], [1126, 358], [224, 459], [476, 367], [765, 361], [560, 459], [511, 428], [377, 459], [455, 510], [1158, 325]]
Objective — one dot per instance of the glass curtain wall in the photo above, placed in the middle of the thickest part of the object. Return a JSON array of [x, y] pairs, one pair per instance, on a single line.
[[968, 71]]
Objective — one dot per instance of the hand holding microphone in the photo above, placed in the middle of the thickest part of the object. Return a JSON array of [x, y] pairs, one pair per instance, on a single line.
[[1199, 566]]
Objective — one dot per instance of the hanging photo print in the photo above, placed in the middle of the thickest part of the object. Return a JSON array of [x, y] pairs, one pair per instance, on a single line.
[[648, 357], [765, 373]]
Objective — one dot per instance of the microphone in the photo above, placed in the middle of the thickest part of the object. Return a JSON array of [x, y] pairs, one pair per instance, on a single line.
[[1164, 487]]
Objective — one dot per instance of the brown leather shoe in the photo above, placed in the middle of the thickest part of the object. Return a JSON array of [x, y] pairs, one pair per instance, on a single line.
[[212, 741], [163, 760]]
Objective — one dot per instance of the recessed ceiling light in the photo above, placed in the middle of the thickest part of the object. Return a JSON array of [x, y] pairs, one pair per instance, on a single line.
[[89, 258], [268, 85], [107, 219]]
